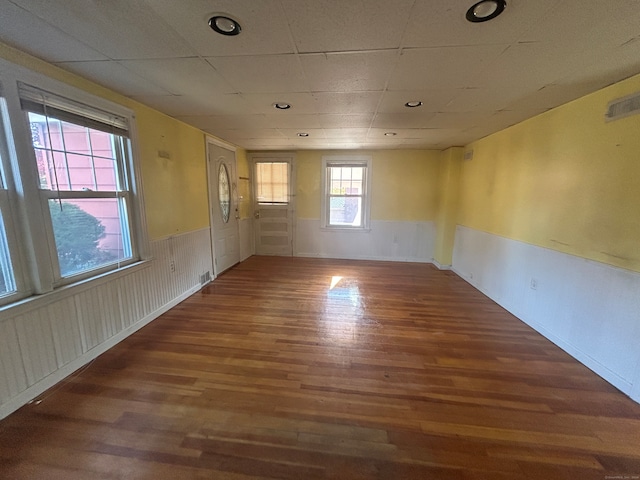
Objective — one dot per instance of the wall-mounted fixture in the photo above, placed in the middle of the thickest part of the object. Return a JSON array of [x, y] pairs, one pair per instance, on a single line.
[[485, 10], [224, 25], [281, 106], [303, 134], [413, 104]]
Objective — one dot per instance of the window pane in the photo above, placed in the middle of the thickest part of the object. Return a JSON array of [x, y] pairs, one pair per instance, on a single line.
[[89, 233], [7, 280], [73, 157], [346, 180], [272, 182], [346, 211]]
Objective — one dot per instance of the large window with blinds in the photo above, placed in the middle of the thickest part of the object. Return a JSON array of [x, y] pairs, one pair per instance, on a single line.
[[67, 191]]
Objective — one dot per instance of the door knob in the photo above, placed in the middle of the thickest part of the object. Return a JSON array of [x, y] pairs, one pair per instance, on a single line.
[[256, 214]]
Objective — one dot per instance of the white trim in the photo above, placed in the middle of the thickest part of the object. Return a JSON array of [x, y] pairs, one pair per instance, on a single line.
[[440, 266], [284, 157], [364, 160], [221, 143], [32, 392]]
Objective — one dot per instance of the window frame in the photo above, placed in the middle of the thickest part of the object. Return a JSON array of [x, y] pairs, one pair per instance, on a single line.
[[36, 269], [329, 161]]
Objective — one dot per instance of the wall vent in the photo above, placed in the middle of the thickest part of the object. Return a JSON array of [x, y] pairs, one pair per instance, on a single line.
[[623, 107], [205, 278], [468, 155]]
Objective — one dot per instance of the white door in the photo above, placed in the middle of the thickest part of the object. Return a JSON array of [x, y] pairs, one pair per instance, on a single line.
[[273, 210], [223, 207]]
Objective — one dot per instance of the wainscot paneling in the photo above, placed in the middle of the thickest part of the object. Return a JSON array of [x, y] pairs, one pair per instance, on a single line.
[[385, 240], [589, 309], [43, 340]]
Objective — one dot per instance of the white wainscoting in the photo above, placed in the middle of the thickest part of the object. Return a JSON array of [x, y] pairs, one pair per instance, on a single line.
[[589, 309], [42, 342], [386, 240]]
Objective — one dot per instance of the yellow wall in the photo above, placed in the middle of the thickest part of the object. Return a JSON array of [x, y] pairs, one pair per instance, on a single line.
[[175, 189], [566, 180], [448, 192], [403, 183]]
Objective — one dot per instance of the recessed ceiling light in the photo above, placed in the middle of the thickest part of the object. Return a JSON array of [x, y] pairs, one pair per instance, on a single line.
[[413, 104], [281, 106], [224, 25], [485, 10], [303, 134], [390, 134]]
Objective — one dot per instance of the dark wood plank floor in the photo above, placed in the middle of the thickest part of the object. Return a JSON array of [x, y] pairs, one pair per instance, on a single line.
[[399, 371]]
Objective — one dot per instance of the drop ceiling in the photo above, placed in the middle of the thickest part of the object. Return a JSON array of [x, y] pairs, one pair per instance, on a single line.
[[346, 67]]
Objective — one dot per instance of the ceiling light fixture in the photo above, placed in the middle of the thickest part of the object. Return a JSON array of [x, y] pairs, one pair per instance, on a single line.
[[413, 104], [485, 10], [224, 25], [281, 106], [303, 134], [390, 134]]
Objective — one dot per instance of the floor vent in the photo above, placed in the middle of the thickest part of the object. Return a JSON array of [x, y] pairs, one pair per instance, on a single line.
[[205, 278], [623, 107]]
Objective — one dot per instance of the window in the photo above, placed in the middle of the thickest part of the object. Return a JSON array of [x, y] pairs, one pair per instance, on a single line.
[[8, 287], [67, 175], [272, 182], [346, 192]]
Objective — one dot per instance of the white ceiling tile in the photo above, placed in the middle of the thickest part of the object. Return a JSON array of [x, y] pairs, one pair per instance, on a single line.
[[331, 26], [402, 120], [181, 105], [432, 100], [528, 67], [288, 119], [25, 30], [406, 133], [213, 123], [444, 23], [345, 132], [113, 75], [458, 120], [263, 102], [586, 22], [348, 72], [181, 76], [292, 133], [328, 120], [251, 134], [262, 74], [119, 29], [264, 27], [347, 103], [442, 67]]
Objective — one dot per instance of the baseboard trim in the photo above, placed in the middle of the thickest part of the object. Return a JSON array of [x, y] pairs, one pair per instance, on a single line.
[[59, 375], [439, 266]]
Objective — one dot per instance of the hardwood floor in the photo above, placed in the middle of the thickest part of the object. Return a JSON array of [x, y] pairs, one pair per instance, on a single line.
[[324, 369]]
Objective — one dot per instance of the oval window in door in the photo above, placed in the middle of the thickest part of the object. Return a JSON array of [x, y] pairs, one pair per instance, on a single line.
[[224, 195]]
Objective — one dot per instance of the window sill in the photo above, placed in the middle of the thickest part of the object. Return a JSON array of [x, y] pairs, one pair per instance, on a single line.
[[33, 302], [345, 229]]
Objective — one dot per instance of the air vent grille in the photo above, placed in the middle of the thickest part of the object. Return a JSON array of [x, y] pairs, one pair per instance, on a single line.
[[623, 107]]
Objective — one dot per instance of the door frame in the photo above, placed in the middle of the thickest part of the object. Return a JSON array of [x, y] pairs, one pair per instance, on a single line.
[[213, 201], [289, 157]]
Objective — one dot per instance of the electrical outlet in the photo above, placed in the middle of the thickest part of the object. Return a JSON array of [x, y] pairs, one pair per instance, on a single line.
[[172, 266], [534, 284]]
